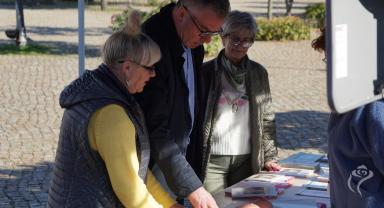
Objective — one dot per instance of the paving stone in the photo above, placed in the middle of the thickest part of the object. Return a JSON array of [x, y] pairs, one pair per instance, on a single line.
[[30, 115]]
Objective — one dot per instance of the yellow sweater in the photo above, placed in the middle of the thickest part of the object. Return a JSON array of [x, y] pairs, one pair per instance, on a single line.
[[112, 134]]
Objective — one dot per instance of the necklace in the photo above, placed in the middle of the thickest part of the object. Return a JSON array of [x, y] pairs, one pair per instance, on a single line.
[[232, 102]]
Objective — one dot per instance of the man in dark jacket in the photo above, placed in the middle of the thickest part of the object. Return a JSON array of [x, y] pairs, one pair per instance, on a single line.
[[171, 101]]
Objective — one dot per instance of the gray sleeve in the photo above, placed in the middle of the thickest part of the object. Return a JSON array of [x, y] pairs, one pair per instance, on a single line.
[[179, 175], [269, 127]]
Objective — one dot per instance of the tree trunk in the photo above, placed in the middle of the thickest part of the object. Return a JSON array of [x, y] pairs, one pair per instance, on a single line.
[[104, 4], [288, 6], [270, 5]]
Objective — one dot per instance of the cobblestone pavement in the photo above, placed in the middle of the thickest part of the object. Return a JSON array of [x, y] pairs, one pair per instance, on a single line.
[[30, 115]]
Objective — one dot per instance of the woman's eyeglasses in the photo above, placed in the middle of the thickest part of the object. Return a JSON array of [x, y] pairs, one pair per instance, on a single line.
[[246, 43]]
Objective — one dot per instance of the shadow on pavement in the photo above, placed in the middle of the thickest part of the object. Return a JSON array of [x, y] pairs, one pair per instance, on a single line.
[[302, 129], [40, 5], [64, 48], [59, 4], [25, 186], [94, 31]]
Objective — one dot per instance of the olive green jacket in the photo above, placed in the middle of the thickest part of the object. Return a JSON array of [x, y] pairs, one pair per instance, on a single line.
[[262, 118]]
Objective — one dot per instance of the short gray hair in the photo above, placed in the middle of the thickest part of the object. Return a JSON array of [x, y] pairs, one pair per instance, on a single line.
[[220, 7], [237, 21], [130, 43]]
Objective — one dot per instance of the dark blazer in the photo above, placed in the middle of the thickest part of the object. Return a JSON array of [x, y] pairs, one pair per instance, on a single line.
[[165, 104]]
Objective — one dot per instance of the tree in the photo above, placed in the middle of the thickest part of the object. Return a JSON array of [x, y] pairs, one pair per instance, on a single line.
[[270, 13], [104, 4], [288, 6]]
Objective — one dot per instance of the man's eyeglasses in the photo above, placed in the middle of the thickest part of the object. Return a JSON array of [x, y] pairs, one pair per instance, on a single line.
[[148, 68], [238, 42], [203, 33]]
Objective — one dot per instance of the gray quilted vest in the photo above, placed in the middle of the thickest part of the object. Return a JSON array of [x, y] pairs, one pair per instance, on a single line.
[[80, 177]]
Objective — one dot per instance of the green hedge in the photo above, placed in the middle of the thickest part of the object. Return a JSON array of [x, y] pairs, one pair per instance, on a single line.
[[278, 28], [315, 14], [282, 28], [118, 20], [154, 2], [213, 47]]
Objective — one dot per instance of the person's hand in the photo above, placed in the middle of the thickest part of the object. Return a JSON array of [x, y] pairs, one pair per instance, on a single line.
[[263, 203], [201, 198], [260, 203], [176, 205], [249, 205], [272, 166]]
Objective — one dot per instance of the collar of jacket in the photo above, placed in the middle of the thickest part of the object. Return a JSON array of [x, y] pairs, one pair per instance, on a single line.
[[104, 73], [245, 61], [170, 30]]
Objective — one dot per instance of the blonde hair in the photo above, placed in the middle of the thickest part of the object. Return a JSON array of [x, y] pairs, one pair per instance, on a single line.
[[130, 43]]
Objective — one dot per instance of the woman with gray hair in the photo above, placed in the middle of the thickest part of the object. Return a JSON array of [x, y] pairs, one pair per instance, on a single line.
[[239, 126], [103, 151]]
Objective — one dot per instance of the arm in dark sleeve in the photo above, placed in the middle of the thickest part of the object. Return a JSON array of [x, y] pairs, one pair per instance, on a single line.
[[164, 151], [370, 130], [374, 123]]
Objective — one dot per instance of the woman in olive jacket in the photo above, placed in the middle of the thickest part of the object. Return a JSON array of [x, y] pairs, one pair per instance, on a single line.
[[238, 128]]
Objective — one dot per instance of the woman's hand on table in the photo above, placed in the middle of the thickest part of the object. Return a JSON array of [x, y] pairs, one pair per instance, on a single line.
[[272, 166]]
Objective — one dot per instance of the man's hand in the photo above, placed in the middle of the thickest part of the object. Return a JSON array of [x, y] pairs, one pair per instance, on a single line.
[[260, 203], [176, 205], [272, 166], [201, 198], [249, 205]]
